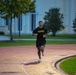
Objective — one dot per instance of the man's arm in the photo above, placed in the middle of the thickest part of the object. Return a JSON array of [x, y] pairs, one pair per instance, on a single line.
[[44, 35], [35, 32]]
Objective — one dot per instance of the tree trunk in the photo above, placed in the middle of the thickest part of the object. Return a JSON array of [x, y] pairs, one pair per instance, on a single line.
[[53, 33], [11, 38]]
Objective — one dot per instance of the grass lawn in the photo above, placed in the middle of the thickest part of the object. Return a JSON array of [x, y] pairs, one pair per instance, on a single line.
[[69, 66], [17, 43], [32, 42], [58, 36]]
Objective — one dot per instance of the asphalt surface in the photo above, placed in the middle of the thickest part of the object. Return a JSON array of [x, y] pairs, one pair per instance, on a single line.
[[23, 60]]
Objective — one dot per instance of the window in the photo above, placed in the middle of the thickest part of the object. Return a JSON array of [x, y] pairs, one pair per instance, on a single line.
[[7, 21], [0, 22], [20, 23], [33, 20]]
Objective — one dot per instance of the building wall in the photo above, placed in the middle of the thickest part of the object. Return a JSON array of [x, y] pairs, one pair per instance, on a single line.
[[67, 7], [4, 29]]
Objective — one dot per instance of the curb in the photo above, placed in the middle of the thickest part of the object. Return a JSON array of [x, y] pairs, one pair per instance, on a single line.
[[56, 64]]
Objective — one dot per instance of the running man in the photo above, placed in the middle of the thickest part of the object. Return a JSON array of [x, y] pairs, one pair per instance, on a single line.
[[40, 32]]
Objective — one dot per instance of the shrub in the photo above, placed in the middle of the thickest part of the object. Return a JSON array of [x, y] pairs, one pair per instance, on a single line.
[[74, 24], [2, 33]]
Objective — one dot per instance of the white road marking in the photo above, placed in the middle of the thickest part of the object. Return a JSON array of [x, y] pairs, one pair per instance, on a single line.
[[18, 64], [24, 70]]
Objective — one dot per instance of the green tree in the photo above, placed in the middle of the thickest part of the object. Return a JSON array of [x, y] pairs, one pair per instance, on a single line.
[[14, 8], [53, 20], [74, 24]]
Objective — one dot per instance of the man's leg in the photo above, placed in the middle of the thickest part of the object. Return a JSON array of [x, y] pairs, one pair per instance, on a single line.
[[42, 49], [39, 52]]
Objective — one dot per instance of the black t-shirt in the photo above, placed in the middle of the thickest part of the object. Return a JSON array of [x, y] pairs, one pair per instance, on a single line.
[[40, 31]]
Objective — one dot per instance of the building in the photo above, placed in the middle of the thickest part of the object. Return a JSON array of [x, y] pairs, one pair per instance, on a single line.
[[27, 23]]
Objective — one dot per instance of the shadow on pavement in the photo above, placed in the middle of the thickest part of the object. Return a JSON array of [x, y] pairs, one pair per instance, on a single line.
[[32, 63]]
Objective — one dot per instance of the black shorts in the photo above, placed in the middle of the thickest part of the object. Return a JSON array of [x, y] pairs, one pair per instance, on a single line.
[[40, 43]]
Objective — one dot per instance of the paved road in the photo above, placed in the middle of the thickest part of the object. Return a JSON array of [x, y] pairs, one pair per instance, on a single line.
[[22, 60], [4, 38]]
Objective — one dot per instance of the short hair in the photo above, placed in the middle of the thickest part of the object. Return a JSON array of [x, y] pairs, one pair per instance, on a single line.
[[40, 21]]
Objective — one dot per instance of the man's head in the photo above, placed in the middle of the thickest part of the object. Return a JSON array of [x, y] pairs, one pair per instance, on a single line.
[[40, 24]]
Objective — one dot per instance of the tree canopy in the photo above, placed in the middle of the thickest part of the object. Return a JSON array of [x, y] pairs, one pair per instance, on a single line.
[[14, 8], [53, 20]]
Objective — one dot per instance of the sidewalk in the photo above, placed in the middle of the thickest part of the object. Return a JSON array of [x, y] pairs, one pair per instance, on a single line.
[[50, 39], [6, 38]]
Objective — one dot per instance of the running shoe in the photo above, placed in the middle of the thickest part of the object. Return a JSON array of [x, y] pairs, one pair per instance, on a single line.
[[39, 60]]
